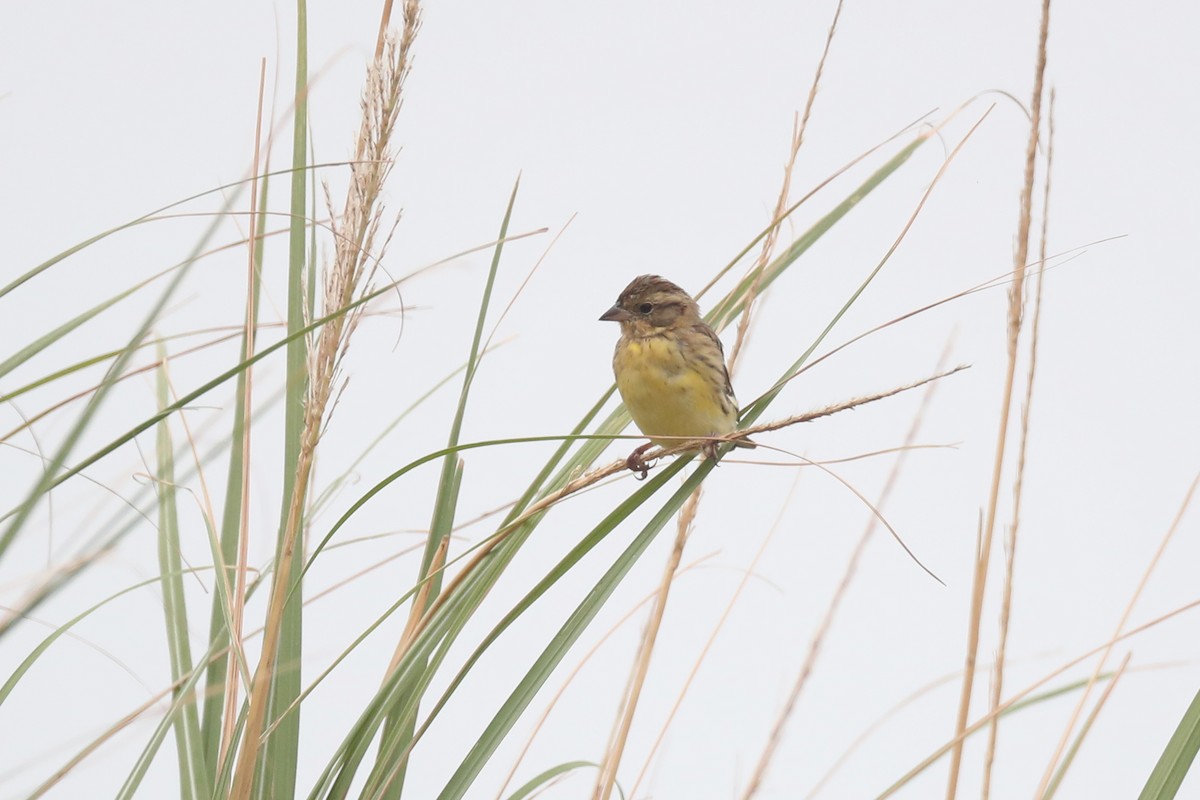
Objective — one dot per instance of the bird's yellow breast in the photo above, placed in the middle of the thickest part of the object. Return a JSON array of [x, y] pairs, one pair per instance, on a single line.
[[669, 393]]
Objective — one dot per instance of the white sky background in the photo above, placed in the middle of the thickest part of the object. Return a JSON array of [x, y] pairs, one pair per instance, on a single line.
[[664, 127]]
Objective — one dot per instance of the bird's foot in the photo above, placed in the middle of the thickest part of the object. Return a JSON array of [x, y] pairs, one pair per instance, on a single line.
[[636, 464]]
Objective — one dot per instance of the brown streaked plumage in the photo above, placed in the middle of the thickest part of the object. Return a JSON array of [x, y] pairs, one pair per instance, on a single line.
[[670, 366]]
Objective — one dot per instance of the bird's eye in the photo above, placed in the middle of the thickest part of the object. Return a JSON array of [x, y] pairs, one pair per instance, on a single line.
[[646, 308]]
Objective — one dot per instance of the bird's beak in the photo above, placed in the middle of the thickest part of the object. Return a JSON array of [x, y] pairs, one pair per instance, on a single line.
[[616, 314]]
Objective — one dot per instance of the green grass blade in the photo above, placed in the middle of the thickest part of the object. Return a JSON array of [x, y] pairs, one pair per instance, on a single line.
[[115, 528], [192, 777], [570, 631], [187, 399], [164, 725], [228, 190], [473, 589], [225, 553], [27, 663], [337, 483], [1176, 758], [184, 699], [443, 515], [751, 414], [49, 477], [1069, 757], [401, 726], [1028, 702], [92, 361], [450, 619], [548, 777], [47, 339], [278, 762], [220, 789], [446, 501], [731, 305]]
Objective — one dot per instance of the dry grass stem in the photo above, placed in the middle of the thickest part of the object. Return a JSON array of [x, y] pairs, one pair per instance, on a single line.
[[637, 679], [991, 283], [345, 279], [418, 606], [487, 343], [781, 205], [875, 726], [687, 514], [250, 335], [96, 743], [385, 20], [589, 479], [315, 596], [813, 191], [595, 648], [607, 777], [833, 409], [1024, 693], [818, 637], [997, 686], [747, 574], [157, 363], [912, 218], [1087, 725], [1083, 697], [1015, 306]]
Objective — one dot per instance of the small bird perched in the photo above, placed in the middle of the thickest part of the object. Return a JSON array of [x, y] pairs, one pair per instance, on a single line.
[[670, 367]]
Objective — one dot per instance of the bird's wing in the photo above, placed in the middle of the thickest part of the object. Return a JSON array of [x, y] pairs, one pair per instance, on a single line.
[[712, 335]]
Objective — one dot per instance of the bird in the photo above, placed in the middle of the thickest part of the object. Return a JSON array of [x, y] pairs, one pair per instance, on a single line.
[[670, 368]]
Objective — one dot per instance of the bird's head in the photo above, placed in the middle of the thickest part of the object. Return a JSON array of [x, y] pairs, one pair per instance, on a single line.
[[651, 305]]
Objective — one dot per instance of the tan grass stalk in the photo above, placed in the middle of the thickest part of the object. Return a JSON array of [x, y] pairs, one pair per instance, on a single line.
[[419, 604], [27, 422], [153, 701], [1024, 693], [237, 655], [1016, 296], [1087, 724], [875, 726], [1162, 546], [818, 637], [687, 514], [799, 126], [595, 648], [991, 283], [842, 170], [637, 679], [589, 479], [347, 277], [351, 579], [748, 573], [112, 731], [997, 686], [238, 595]]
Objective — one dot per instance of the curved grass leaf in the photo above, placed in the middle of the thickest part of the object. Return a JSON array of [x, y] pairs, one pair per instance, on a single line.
[[519, 699], [193, 783], [276, 773], [49, 477], [336, 780], [547, 777], [225, 550], [47, 339], [1176, 758]]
